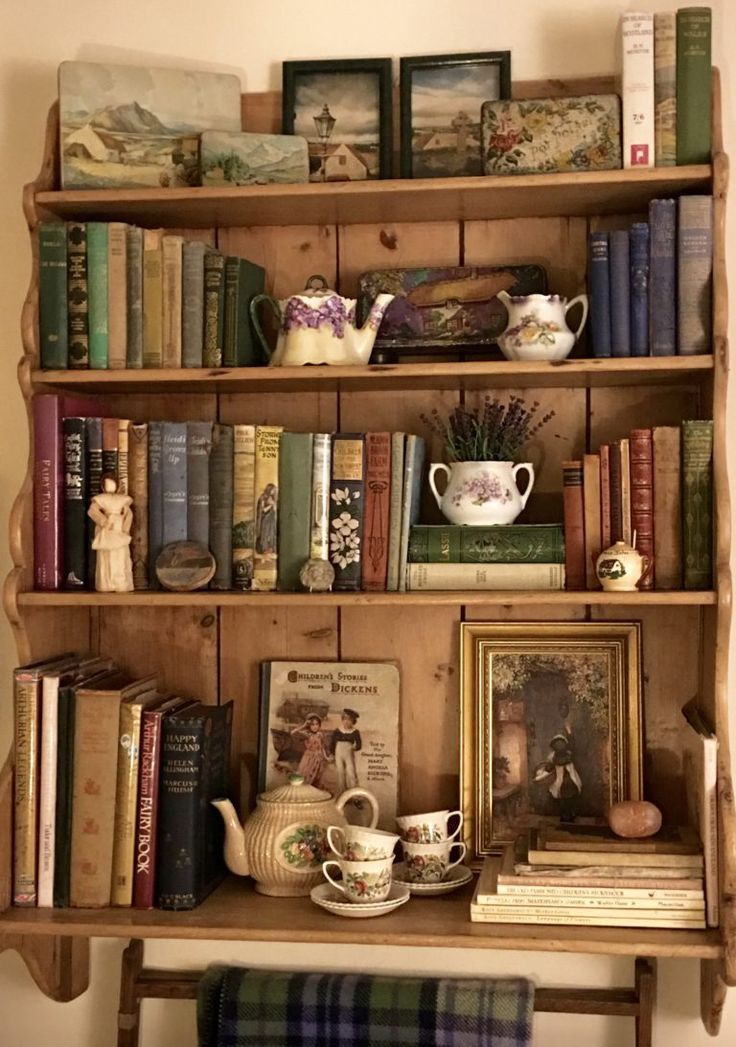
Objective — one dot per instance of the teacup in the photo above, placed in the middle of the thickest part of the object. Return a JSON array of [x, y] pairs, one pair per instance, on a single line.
[[362, 882], [429, 828], [357, 843], [430, 862]]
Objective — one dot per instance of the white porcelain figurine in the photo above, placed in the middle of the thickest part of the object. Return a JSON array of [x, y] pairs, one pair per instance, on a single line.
[[112, 513]]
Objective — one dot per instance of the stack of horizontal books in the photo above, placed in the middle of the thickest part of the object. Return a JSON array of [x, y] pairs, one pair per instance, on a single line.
[[588, 877]]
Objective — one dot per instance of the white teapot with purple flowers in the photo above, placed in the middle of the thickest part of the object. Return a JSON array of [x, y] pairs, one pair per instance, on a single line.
[[318, 326]]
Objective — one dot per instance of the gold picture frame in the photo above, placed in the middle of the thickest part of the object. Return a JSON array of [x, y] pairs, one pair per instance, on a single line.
[[531, 692]]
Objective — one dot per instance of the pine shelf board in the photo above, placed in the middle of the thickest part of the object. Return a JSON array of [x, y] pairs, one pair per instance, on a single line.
[[440, 375], [389, 200], [234, 912]]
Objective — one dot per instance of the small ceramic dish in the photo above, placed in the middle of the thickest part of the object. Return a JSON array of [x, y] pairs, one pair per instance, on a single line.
[[325, 895], [455, 878]]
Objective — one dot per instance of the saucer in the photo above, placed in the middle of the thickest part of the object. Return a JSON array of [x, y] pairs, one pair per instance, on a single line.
[[329, 898], [455, 878]]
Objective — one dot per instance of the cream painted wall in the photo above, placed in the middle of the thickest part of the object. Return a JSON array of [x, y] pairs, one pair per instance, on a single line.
[[547, 38]]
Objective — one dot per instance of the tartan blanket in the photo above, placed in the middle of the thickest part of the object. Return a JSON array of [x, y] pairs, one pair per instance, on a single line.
[[240, 1007]]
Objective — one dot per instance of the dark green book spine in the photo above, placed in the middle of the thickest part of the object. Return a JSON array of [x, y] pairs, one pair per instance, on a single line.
[[216, 785], [214, 309], [243, 280], [199, 447], [524, 543], [76, 290], [295, 500], [97, 289], [230, 333], [64, 793], [54, 320], [693, 85], [192, 306], [221, 505], [134, 282], [697, 503]]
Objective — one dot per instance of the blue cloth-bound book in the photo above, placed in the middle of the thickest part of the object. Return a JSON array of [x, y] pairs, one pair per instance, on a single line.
[[620, 319], [662, 282], [639, 288], [599, 284]]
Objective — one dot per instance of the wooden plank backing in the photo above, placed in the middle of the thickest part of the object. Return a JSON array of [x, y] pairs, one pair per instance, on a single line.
[[289, 254], [394, 246]]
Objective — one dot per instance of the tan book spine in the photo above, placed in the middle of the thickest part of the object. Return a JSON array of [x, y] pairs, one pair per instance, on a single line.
[[592, 510], [126, 804], [123, 455], [138, 490], [152, 298], [117, 295], [626, 919], [490, 576], [667, 506], [171, 258], [244, 505], [605, 455], [625, 489], [26, 701], [265, 555]]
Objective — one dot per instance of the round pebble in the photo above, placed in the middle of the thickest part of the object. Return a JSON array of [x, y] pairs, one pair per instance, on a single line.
[[635, 819]]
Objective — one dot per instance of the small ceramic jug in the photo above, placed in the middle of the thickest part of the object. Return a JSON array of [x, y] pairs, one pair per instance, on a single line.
[[481, 493], [621, 567], [537, 327]]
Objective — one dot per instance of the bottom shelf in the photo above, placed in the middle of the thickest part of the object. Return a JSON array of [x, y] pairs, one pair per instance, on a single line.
[[234, 912]]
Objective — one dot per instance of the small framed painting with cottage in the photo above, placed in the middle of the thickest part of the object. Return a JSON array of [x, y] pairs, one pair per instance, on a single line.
[[550, 725], [344, 110], [441, 99]]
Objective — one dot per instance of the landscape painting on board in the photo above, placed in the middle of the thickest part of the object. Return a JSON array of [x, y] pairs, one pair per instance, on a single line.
[[128, 126]]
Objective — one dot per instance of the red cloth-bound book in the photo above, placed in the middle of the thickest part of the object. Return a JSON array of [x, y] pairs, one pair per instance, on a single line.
[[377, 504], [572, 494], [642, 497]]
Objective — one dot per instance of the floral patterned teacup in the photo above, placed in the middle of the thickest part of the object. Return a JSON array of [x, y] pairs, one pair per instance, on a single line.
[[356, 843], [362, 882], [429, 828], [430, 862]]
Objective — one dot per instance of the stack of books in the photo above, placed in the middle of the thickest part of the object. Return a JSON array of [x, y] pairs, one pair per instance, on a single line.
[[585, 876]]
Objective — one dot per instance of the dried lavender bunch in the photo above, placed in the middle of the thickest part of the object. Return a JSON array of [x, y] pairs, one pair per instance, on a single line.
[[492, 433]]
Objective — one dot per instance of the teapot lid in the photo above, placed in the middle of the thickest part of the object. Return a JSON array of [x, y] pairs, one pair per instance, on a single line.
[[317, 287], [296, 791]]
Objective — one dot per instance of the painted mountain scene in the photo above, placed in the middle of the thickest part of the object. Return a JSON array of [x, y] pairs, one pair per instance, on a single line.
[[242, 158], [125, 127]]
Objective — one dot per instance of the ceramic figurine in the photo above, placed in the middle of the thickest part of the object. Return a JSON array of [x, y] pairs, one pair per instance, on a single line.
[[112, 514], [621, 567], [481, 493], [537, 326]]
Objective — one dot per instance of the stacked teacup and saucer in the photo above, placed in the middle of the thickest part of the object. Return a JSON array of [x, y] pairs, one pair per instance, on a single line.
[[433, 855], [359, 882]]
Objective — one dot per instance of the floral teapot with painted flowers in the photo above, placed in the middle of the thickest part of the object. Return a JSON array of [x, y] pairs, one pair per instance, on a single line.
[[318, 326]]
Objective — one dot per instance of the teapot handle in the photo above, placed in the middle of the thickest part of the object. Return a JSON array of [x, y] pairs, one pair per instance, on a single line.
[[647, 564], [350, 794], [276, 309], [438, 467], [530, 470], [583, 300]]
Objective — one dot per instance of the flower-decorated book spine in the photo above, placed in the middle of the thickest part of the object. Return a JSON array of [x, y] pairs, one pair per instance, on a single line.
[[377, 510], [693, 85], [221, 505], [171, 300], [265, 545], [599, 287], [665, 89], [174, 477], [134, 258], [667, 460], [243, 280], [639, 288], [662, 278], [243, 505], [199, 448], [642, 498], [138, 490], [319, 535], [155, 499], [605, 457], [347, 498], [76, 500], [414, 455], [697, 503], [694, 275], [77, 295], [574, 514], [637, 89], [152, 298], [97, 280], [295, 498], [117, 296], [52, 290], [93, 433], [592, 508], [214, 308], [192, 305], [396, 498], [620, 297], [510, 543]]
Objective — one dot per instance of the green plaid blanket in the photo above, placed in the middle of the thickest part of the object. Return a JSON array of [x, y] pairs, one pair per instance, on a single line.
[[238, 1007]]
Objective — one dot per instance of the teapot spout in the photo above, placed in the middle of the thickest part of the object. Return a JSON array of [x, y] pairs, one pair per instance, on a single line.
[[503, 296], [365, 336], [235, 857]]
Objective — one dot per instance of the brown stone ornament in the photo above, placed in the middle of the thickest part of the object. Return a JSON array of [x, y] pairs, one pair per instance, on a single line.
[[634, 819], [185, 566]]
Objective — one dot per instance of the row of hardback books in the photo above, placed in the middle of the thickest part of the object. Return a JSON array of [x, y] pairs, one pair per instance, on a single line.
[[113, 296], [655, 484], [113, 782], [650, 286]]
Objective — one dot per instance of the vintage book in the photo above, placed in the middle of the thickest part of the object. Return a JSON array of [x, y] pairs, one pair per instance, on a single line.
[[666, 455], [377, 510], [641, 466], [620, 298], [623, 452], [192, 303], [614, 470], [138, 490], [174, 482], [155, 499], [96, 739], [605, 456], [574, 514], [97, 278], [694, 275], [76, 501], [123, 454], [665, 89], [677, 921], [199, 448], [599, 288], [195, 757], [52, 293], [134, 259], [295, 499], [243, 281], [662, 278], [637, 89], [414, 453], [398, 443], [639, 288], [126, 797], [171, 300], [592, 510], [693, 85], [630, 860], [77, 294], [243, 503], [266, 498], [700, 771], [697, 503], [93, 434], [214, 308], [491, 576], [319, 533], [221, 505], [595, 838], [47, 760], [110, 431], [153, 323], [117, 295], [347, 504], [510, 543]]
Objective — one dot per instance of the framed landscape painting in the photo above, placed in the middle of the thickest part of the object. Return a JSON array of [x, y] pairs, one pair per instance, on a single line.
[[551, 725]]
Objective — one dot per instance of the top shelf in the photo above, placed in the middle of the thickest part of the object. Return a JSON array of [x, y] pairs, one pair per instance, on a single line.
[[391, 200]]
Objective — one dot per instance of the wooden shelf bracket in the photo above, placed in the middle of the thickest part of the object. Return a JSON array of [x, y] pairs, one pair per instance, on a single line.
[[58, 965]]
